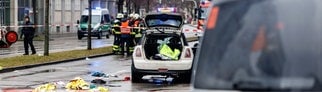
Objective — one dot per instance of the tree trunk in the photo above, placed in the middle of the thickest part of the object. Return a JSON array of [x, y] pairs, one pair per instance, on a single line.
[[89, 36], [46, 47]]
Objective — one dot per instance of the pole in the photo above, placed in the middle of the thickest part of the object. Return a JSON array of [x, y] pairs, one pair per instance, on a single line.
[[89, 40], [34, 10], [46, 47]]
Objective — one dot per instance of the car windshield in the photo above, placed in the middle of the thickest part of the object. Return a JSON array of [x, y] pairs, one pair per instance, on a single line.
[[95, 19], [168, 20], [262, 45], [159, 22]]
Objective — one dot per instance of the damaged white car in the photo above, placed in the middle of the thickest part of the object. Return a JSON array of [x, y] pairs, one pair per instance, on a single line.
[[163, 49]]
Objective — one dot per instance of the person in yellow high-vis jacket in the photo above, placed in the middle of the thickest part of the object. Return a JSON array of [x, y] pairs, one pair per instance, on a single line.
[[117, 33]]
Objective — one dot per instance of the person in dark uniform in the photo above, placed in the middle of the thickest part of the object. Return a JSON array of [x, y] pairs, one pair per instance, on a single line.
[[28, 32]]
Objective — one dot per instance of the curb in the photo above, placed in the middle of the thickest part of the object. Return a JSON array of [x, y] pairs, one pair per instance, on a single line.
[[50, 63]]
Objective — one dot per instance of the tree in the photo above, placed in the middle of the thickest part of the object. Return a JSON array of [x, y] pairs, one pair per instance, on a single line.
[[46, 47], [89, 29]]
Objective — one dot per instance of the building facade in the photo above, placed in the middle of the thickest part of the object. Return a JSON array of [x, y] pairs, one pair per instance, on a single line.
[[63, 13]]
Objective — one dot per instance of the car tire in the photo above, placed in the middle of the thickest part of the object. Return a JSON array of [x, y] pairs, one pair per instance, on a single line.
[[99, 35], [107, 36], [185, 78], [135, 75], [79, 37]]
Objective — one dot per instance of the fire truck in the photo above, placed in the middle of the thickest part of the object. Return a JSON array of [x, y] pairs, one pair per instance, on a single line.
[[7, 38]]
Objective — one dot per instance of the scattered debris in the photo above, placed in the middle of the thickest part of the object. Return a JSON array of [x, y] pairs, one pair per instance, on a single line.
[[77, 84], [49, 87], [98, 81], [87, 58], [127, 78], [99, 89], [100, 74]]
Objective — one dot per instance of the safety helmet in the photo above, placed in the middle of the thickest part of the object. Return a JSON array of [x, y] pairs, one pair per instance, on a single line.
[[131, 15], [119, 15], [117, 21], [136, 16]]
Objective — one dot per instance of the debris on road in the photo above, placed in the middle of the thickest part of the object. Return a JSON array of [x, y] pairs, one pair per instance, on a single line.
[[49, 87], [98, 81], [100, 74], [87, 58], [127, 78], [100, 89], [77, 84]]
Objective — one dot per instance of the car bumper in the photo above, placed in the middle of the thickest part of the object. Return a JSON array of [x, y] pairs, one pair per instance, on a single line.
[[85, 33], [169, 65]]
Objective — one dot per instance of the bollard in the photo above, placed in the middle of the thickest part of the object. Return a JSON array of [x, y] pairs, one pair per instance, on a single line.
[[68, 28], [58, 29]]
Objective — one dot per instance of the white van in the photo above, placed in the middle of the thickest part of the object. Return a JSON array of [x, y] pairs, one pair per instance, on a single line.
[[101, 23]]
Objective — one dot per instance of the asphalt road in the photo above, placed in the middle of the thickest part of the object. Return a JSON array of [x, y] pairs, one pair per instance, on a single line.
[[118, 65], [65, 42], [28, 79]]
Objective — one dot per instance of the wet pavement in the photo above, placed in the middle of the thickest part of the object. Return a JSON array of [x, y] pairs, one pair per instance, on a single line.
[[65, 42], [28, 79], [31, 78]]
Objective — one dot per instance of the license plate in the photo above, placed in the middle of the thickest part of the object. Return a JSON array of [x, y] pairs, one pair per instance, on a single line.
[[163, 70]]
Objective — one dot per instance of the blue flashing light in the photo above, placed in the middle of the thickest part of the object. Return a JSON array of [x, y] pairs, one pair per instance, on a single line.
[[98, 8]]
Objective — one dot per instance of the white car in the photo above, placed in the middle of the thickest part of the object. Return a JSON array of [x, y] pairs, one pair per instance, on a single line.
[[147, 60]]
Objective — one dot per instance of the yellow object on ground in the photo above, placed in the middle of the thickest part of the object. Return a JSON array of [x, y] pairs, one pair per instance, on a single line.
[[1, 67], [50, 87], [100, 89], [77, 84]]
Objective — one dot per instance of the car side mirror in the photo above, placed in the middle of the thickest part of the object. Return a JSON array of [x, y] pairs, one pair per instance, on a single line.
[[77, 21]]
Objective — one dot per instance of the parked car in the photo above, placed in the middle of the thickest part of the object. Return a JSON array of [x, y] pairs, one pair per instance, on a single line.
[[163, 36], [261, 45]]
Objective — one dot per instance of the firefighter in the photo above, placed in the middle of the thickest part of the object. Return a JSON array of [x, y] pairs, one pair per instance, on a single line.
[[132, 34], [125, 36], [117, 33], [137, 30], [28, 33]]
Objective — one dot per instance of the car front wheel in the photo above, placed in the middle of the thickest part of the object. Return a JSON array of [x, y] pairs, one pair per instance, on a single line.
[[136, 76], [79, 37]]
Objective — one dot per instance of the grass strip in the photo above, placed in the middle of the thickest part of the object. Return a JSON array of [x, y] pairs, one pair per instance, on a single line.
[[53, 57]]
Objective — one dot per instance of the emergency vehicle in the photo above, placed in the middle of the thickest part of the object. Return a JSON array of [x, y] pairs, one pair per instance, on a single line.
[[163, 49], [101, 23]]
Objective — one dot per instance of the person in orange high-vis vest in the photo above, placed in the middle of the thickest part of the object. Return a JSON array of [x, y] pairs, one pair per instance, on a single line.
[[125, 36]]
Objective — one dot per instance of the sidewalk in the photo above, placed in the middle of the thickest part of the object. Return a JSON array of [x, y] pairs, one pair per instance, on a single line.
[[60, 43]]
